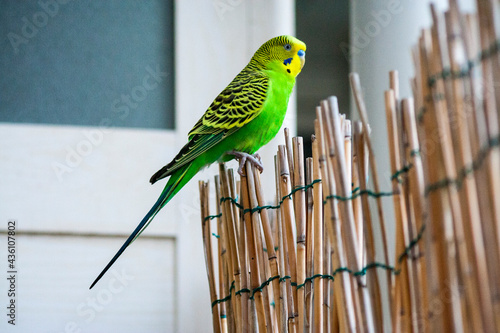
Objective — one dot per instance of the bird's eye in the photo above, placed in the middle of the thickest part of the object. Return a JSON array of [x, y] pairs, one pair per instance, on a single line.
[[287, 47]]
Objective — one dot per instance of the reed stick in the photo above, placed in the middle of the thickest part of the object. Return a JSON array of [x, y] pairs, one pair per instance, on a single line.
[[225, 315], [327, 269], [362, 172], [318, 242], [343, 186], [285, 287], [253, 258], [356, 90], [490, 97], [207, 246], [270, 245], [402, 286], [287, 218], [240, 308], [259, 246], [356, 202], [289, 154], [309, 243], [342, 284], [419, 209], [444, 201], [402, 163], [299, 198]]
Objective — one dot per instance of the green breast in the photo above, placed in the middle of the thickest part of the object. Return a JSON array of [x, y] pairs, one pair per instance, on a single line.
[[264, 127]]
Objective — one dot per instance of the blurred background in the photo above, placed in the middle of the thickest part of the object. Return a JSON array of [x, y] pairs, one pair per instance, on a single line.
[[95, 96]]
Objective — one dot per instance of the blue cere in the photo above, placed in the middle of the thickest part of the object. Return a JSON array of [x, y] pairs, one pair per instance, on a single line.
[[287, 61], [301, 53]]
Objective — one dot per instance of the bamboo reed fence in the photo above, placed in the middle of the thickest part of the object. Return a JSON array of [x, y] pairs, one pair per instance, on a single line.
[[308, 261]]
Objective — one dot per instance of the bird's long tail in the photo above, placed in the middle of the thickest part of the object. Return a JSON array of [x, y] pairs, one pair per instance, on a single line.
[[177, 180]]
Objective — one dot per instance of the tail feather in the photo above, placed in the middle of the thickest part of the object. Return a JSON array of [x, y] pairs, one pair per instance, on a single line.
[[174, 184], [162, 173]]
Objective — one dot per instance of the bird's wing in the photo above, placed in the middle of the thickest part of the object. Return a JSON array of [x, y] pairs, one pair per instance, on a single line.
[[235, 106]]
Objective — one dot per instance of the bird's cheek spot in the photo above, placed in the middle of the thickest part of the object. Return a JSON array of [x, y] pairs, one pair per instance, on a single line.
[[287, 62]]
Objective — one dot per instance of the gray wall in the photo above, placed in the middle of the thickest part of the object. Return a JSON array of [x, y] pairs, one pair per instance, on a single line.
[[324, 26], [87, 62]]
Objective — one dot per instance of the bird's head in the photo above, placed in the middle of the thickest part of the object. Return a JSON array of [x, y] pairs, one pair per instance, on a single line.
[[284, 54]]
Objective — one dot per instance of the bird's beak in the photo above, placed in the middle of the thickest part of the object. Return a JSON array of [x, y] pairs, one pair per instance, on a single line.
[[302, 57]]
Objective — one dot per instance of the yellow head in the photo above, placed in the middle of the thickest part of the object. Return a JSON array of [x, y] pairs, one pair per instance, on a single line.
[[284, 54]]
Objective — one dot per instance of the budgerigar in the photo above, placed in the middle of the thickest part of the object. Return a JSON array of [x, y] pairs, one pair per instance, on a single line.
[[243, 117]]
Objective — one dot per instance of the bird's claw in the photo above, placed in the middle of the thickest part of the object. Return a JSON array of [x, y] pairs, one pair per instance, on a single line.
[[242, 157]]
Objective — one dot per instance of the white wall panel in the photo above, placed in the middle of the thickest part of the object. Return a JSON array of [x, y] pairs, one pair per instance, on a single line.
[[54, 273]]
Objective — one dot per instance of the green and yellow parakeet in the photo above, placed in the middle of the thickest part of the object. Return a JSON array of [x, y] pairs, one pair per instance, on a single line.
[[246, 115]]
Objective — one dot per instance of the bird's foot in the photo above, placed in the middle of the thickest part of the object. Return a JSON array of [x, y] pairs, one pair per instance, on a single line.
[[242, 157]]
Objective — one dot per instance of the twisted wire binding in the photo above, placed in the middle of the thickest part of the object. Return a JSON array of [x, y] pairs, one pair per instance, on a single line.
[[447, 73], [466, 170], [406, 168], [331, 277], [354, 195]]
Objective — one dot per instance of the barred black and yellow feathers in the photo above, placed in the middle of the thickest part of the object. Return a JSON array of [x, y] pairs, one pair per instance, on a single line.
[[236, 105]]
